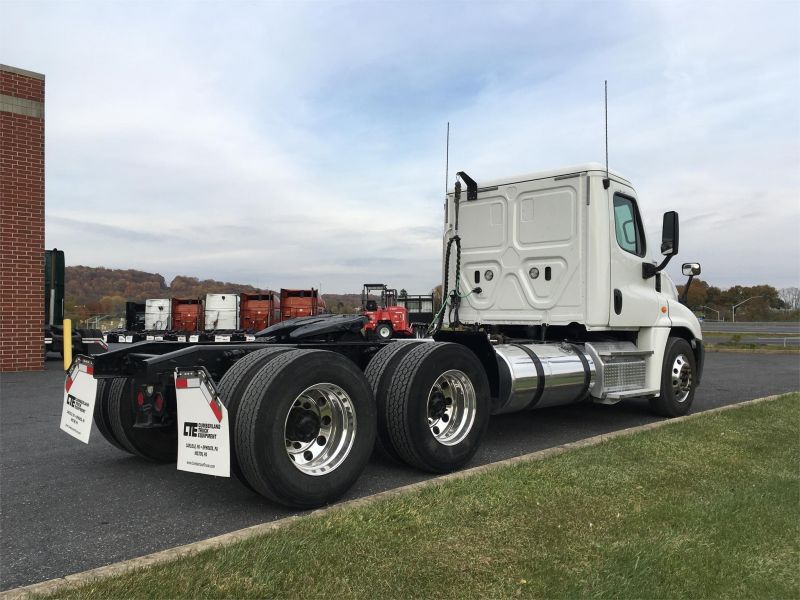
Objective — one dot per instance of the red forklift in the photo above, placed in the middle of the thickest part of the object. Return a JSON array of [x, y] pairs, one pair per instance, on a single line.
[[386, 318]]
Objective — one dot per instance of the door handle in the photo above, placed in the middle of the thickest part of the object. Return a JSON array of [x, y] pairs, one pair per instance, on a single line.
[[617, 301]]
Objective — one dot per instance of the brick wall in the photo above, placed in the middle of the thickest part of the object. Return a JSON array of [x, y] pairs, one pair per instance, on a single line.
[[21, 219]]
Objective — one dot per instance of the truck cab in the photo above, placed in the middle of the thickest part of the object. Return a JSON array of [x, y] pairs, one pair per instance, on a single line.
[[563, 255]]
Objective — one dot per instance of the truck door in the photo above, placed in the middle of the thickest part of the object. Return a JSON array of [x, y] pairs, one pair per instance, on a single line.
[[634, 301]]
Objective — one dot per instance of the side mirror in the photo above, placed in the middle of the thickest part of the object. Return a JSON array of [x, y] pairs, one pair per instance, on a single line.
[[691, 269], [669, 245], [669, 234]]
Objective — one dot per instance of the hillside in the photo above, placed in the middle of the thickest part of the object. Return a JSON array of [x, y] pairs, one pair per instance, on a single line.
[[342, 303], [98, 290], [101, 291]]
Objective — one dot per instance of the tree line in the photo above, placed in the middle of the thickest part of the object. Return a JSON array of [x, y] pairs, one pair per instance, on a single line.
[[753, 303], [99, 291]]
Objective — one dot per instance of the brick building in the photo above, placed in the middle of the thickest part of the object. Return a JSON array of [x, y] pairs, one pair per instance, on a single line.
[[21, 219]]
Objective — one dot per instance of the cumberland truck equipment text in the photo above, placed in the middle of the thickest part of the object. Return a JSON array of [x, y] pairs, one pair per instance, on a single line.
[[550, 298]]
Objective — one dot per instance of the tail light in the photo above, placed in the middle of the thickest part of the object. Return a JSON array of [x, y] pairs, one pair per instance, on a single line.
[[158, 402]]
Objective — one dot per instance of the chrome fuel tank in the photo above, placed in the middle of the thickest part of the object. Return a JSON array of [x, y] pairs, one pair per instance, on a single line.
[[540, 375]]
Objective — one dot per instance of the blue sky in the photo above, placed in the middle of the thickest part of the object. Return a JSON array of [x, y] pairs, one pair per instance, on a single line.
[[297, 144]]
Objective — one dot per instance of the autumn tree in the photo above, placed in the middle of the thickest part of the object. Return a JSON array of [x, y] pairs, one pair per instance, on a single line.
[[698, 293], [790, 296], [112, 305], [437, 297]]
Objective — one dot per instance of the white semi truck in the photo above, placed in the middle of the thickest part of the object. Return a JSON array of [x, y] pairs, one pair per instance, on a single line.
[[550, 298]]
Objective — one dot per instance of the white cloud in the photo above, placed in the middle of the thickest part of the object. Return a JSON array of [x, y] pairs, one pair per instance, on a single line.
[[297, 144]]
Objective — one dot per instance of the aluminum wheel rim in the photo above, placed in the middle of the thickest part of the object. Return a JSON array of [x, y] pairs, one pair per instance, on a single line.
[[451, 407], [330, 408], [681, 378]]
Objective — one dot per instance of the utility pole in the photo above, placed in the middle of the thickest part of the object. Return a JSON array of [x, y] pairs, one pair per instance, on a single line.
[[735, 306]]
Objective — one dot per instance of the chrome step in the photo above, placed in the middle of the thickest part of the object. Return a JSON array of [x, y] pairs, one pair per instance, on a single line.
[[621, 369]]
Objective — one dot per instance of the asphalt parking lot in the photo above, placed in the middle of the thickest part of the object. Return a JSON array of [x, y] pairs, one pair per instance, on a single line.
[[67, 507]]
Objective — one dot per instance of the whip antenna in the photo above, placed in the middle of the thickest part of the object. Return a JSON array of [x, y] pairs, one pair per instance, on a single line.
[[447, 159], [607, 180]]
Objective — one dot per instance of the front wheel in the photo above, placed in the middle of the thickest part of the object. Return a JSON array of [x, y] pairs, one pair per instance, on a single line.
[[384, 331], [678, 380]]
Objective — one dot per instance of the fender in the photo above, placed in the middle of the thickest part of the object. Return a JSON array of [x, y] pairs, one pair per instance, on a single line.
[[686, 325]]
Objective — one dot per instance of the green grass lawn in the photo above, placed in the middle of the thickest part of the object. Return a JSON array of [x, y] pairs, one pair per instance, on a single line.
[[707, 508]]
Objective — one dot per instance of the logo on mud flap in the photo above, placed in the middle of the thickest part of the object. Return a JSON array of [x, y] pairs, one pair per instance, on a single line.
[[201, 430], [76, 403]]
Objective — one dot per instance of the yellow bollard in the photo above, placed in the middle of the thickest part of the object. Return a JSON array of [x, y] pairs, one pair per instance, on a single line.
[[67, 344]]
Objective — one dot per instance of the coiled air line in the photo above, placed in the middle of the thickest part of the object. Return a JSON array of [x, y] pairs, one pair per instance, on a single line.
[[453, 298]]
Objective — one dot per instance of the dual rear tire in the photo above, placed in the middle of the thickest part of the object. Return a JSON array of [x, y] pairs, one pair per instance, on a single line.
[[114, 417], [304, 422], [304, 427], [433, 404]]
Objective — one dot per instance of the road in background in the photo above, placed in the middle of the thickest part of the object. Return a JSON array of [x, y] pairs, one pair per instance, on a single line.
[[67, 507], [780, 327], [784, 334]]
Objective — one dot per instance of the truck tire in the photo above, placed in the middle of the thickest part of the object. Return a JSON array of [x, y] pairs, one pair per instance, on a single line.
[[156, 444], [437, 409], [383, 331], [678, 376], [379, 374], [305, 428], [101, 416], [232, 386]]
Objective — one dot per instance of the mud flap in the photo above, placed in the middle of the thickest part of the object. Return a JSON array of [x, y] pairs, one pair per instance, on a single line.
[[203, 425], [80, 389]]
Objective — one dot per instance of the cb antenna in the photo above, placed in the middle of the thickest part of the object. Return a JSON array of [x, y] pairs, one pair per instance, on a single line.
[[607, 180], [447, 159]]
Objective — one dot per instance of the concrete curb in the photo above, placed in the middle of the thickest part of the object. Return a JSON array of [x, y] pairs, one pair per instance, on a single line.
[[78, 579]]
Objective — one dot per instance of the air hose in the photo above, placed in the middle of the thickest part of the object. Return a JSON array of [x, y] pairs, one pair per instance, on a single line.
[[452, 298]]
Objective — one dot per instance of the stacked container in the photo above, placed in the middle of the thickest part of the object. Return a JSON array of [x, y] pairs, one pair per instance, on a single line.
[[222, 312], [299, 303], [134, 316], [186, 314], [157, 314], [259, 310]]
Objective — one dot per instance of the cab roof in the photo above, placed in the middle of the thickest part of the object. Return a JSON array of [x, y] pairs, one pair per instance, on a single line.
[[593, 167]]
